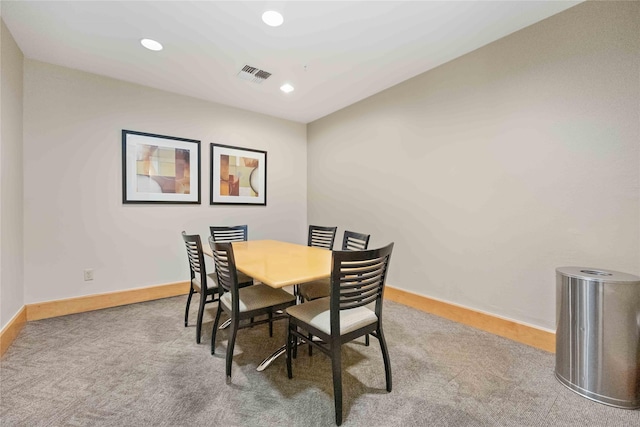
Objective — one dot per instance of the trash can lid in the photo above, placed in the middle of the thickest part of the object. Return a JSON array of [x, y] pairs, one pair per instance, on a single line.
[[598, 274]]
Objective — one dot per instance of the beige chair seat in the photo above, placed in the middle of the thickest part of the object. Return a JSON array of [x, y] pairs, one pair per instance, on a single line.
[[316, 289], [317, 314], [257, 297], [211, 285], [243, 279]]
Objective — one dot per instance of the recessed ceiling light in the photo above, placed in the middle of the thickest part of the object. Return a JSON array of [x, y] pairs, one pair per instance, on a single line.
[[286, 88], [151, 44], [272, 18]]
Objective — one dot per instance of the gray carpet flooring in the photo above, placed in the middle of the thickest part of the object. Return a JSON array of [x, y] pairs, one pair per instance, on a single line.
[[137, 365]]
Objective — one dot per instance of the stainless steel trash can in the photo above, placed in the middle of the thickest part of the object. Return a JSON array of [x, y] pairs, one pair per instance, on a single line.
[[598, 334]]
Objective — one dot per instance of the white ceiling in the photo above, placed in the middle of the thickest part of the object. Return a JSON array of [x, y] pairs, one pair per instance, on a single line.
[[334, 53]]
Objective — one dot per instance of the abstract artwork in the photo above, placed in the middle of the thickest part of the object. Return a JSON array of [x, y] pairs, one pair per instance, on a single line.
[[159, 168], [238, 175]]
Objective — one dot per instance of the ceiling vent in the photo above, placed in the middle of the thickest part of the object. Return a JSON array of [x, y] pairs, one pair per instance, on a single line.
[[253, 74]]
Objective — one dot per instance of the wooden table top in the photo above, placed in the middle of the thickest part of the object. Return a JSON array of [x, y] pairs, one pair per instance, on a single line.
[[279, 264]]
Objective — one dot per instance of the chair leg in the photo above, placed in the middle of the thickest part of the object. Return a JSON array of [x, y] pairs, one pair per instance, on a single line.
[[294, 345], [230, 345], [290, 340], [270, 324], [215, 329], [310, 346], [203, 300], [336, 367], [186, 310], [366, 340], [385, 357]]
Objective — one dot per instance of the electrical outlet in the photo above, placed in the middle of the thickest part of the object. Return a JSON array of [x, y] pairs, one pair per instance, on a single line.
[[88, 274]]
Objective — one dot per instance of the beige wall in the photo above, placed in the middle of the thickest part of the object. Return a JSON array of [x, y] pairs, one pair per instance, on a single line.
[[11, 211], [494, 169], [488, 172], [73, 212]]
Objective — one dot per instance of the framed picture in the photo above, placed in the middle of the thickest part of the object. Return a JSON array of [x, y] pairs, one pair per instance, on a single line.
[[238, 176], [159, 168]]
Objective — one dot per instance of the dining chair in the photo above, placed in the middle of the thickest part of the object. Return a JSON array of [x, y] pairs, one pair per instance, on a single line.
[[351, 241], [321, 237], [201, 282], [243, 303], [234, 233], [321, 288], [357, 279]]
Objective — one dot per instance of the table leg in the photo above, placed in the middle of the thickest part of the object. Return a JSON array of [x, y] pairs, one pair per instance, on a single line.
[[279, 352], [266, 362]]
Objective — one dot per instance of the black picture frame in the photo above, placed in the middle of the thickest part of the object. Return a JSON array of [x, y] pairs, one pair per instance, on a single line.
[[160, 169], [238, 176]]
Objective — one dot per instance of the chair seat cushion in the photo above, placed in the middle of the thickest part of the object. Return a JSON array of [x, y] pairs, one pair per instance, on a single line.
[[212, 283], [316, 314], [314, 290], [258, 296], [243, 279]]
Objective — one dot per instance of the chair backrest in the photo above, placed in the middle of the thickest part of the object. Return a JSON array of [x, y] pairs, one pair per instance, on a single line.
[[196, 257], [321, 237], [225, 264], [236, 233], [353, 241], [358, 279]]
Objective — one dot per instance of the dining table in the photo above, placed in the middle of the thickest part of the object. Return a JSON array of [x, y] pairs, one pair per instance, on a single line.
[[278, 264]]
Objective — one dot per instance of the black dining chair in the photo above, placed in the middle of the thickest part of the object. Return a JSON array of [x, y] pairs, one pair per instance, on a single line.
[[201, 282], [243, 303], [351, 241], [234, 233], [321, 288], [357, 279], [321, 237]]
